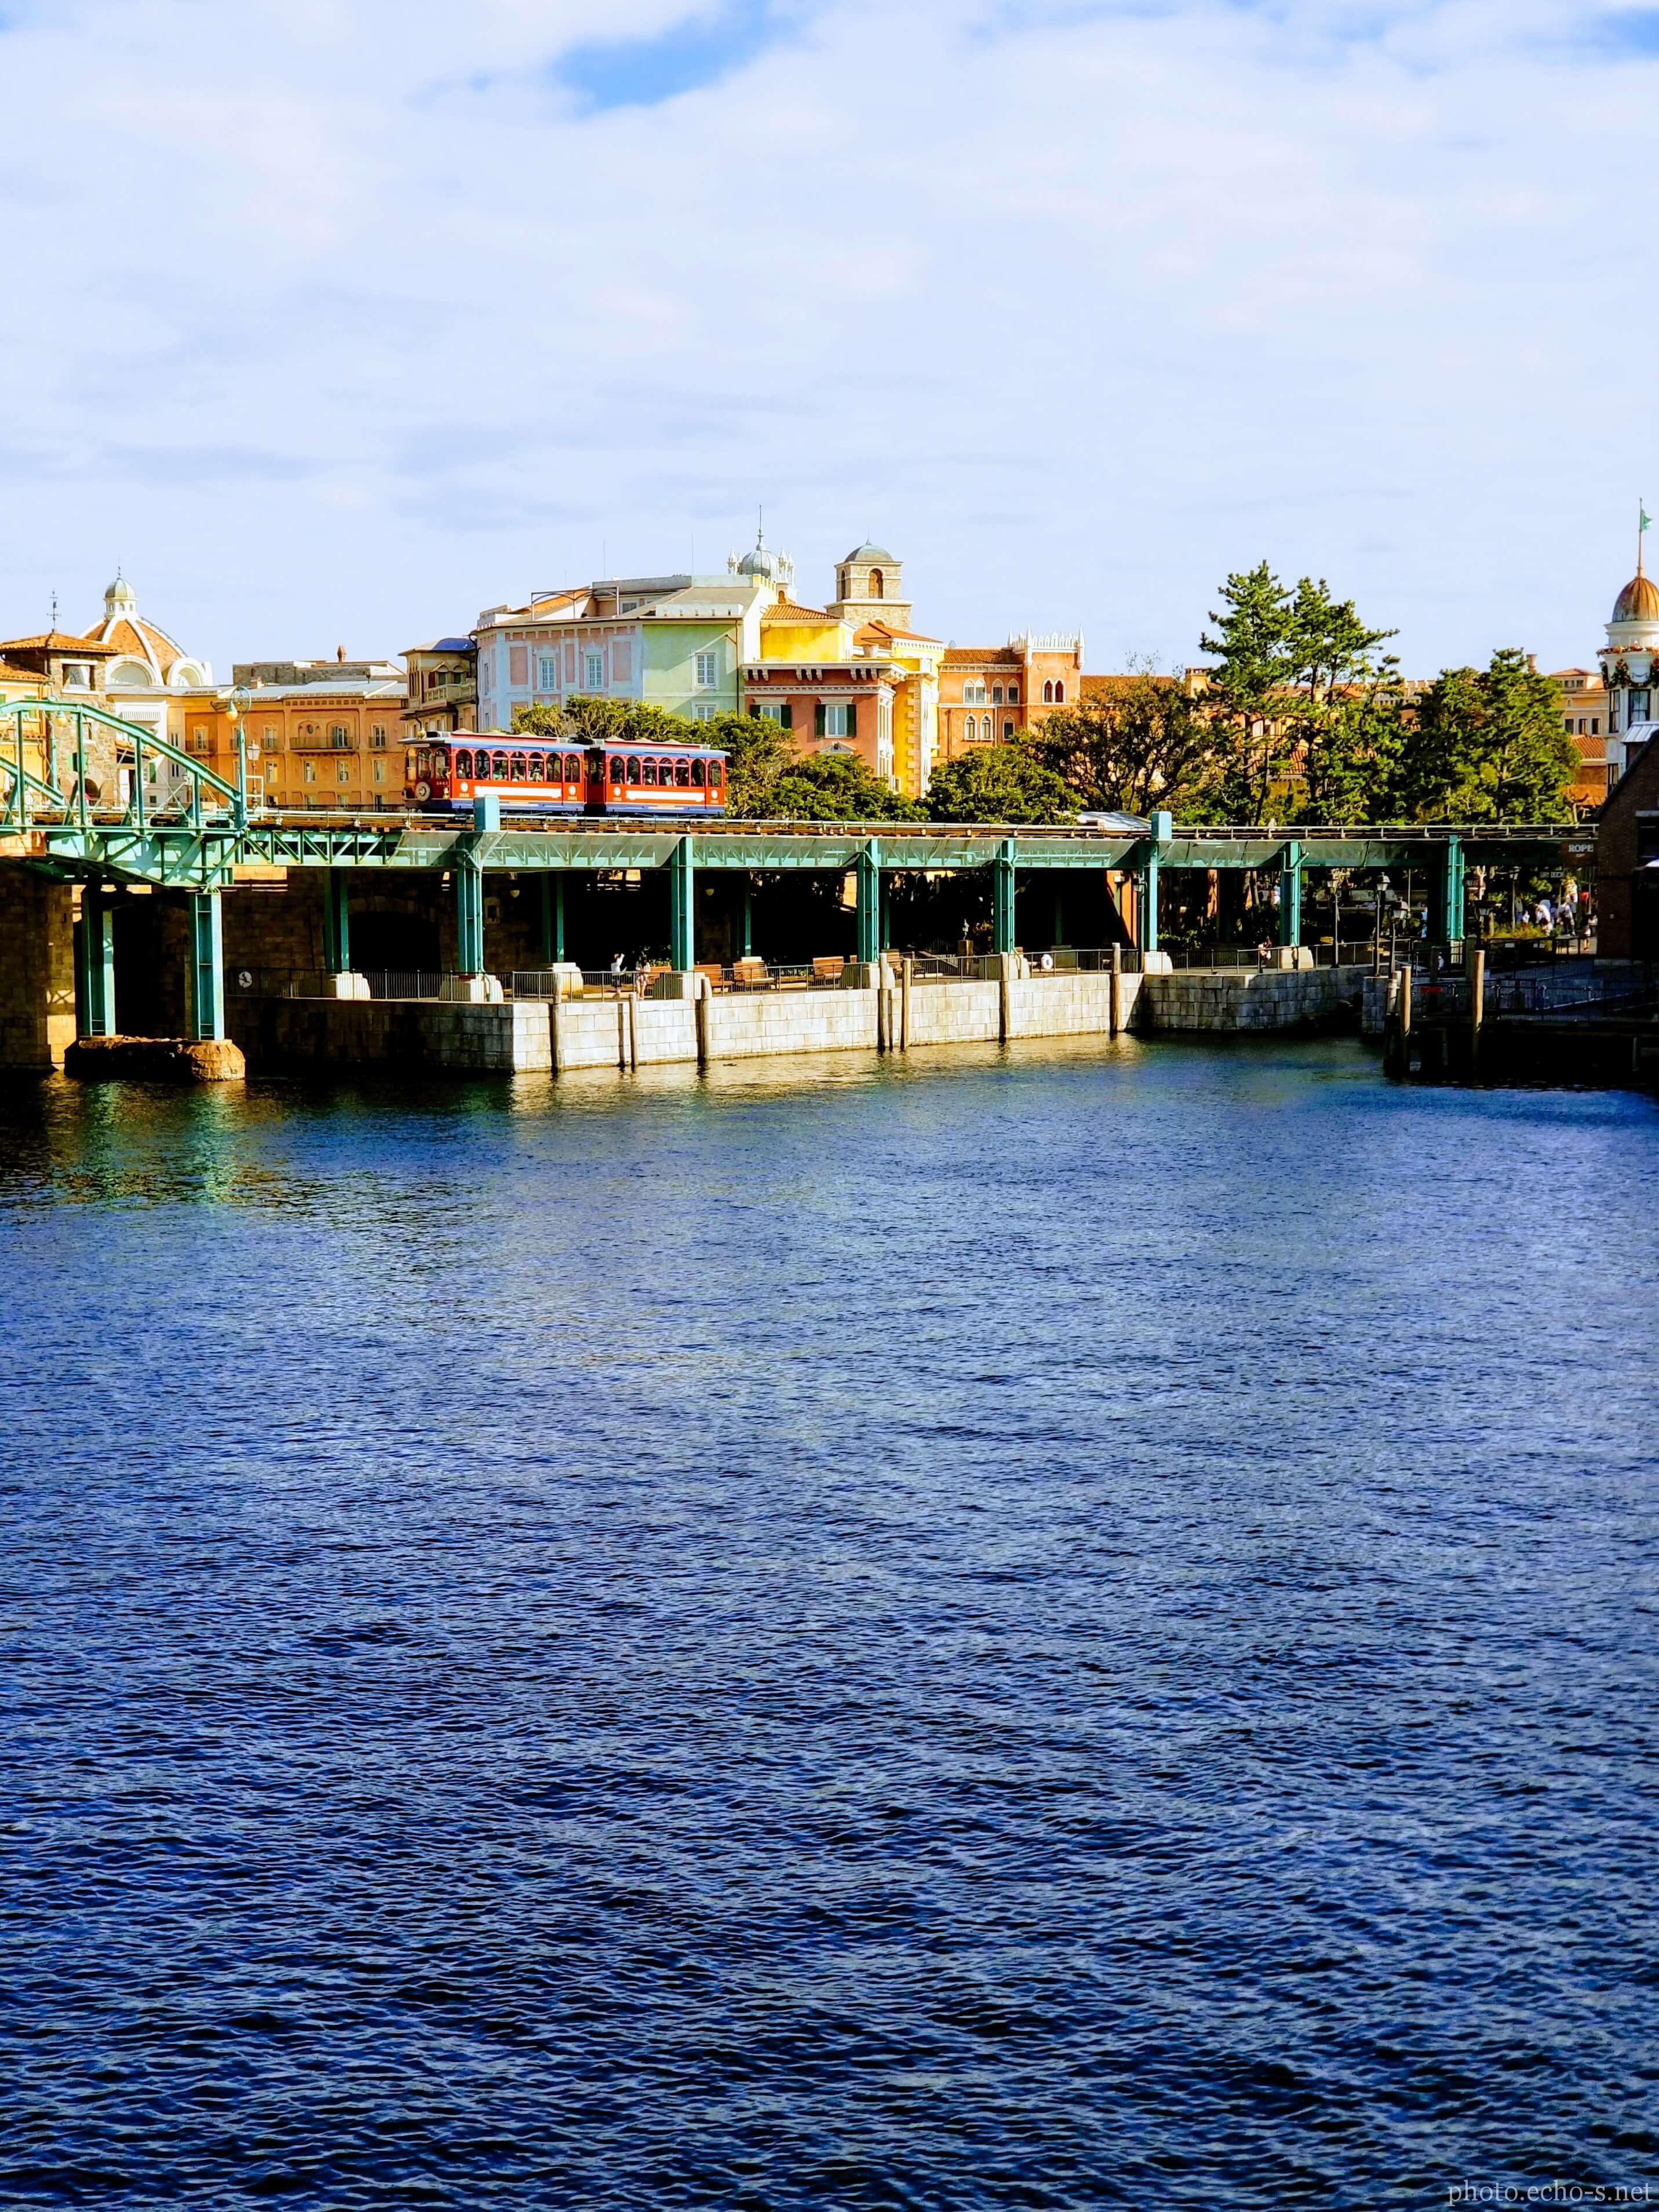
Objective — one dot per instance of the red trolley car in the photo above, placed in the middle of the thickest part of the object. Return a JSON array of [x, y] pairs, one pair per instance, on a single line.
[[540, 776]]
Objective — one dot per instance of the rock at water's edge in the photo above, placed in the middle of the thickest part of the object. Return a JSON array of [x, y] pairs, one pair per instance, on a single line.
[[156, 1060]]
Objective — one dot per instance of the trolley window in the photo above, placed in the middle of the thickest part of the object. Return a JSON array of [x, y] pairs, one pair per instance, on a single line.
[[520, 769], [498, 767], [463, 764], [713, 776], [648, 772], [697, 774], [682, 775], [618, 772], [633, 769], [573, 768]]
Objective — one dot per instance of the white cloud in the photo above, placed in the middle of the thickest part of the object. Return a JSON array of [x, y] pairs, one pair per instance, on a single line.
[[342, 321]]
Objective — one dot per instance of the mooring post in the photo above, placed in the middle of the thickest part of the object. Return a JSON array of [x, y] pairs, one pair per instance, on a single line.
[[701, 1008], [207, 968], [97, 946], [1477, 1003], [906, 973], [1114, 1001], [556, 1023], [1406, 1019]]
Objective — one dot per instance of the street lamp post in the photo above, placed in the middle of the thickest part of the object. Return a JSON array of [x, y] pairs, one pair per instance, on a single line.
[[241, 700]]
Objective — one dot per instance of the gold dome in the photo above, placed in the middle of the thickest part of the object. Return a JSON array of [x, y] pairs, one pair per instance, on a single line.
[[1638, 601]]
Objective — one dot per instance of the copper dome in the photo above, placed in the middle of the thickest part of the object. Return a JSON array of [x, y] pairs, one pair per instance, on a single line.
[[1638, 601]]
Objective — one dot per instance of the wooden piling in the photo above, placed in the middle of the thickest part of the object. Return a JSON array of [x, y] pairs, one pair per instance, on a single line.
[[1477, 1005], [701, 1005], [1114, 999], [906, 974], [555, 1019]]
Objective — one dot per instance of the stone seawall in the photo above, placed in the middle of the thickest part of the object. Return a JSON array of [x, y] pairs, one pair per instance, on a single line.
[[596, 1033], [1233, 1001]]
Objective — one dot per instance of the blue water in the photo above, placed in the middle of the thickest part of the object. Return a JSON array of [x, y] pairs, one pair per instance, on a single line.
[[1070, 1627]]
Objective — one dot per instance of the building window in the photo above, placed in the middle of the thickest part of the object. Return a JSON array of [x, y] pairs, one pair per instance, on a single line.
[[1048, 694], [1007, 729], [593, 670], [547, 672], [839, 721], [1595, 726], [778, 712], [343, 774], [877, 584], [272, 736], [1567, 718], [708, 670], [702, 713], [338, 736], [1638, 709], [377, 735], [379, 771], [1013, 695], [972, 695], [996, 695], [1060, 693], [308, 773]]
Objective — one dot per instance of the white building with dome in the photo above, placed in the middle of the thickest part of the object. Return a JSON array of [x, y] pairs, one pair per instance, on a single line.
[[1629, 670], [151, 680]]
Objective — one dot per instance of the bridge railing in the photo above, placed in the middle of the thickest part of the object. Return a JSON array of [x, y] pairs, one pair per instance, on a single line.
[[66, 790]]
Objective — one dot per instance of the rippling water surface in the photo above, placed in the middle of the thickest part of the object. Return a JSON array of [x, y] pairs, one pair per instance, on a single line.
[[1070, 1627]]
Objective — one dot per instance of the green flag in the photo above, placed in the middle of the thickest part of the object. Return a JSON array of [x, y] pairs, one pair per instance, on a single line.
[[1646, 517]]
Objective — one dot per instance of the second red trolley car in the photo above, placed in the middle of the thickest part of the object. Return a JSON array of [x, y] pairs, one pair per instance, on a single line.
[[542, 776]]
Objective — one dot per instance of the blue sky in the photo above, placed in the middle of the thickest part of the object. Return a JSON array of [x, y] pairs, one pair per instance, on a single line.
[[336, 321]]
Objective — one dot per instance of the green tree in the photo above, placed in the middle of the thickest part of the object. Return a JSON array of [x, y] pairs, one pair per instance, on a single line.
[[1256, 663], [835, 788], [1142, 743], [999, 783], [1486, 744], [1338, 725]]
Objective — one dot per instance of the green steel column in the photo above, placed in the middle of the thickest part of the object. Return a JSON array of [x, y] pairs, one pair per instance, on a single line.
[[1290, 894], [207, 967], [868, 884], [746, 919], [1162, 829], [336, 921], [552, 915], [469, 913], [1446, 916], [1002, 897], [682, 915], [95, 946]]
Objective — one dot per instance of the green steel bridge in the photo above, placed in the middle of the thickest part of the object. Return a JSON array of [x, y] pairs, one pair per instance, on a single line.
[[59, 822]]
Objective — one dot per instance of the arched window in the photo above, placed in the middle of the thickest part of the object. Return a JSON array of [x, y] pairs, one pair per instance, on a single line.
[[617, 771], [1007, 729], [696, 775], [970, 729], [1060, 693], [463, 764], [1047, 695], [713, 776], [996, 695], [649, 773], [573, 768], [682, 775], [520, 769], [877, 584], [633, 769], [538, 768], [498, 767], [1013, 695]]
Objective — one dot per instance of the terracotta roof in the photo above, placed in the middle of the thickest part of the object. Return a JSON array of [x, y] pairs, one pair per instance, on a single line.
[[877, 630], [983, 656], [1102, 687], [786, 610], [56, 640], [11, 675], [140, 641]]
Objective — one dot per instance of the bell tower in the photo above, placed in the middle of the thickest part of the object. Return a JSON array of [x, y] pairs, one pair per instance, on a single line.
[[870, 587]]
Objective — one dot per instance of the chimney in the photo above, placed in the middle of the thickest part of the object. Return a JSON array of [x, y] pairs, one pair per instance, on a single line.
[[339, 653]]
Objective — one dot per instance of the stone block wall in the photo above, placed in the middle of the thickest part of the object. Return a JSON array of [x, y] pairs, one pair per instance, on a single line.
[[37, 970], [1227, 1001]]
